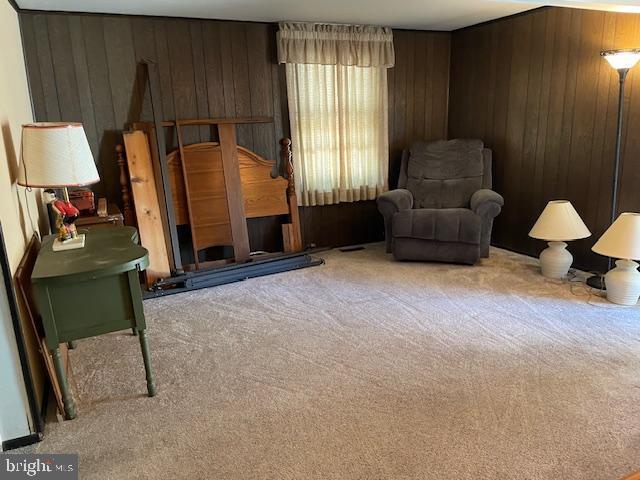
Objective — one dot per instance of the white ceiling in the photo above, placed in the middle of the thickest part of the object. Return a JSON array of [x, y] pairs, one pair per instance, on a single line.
[[417, 14]]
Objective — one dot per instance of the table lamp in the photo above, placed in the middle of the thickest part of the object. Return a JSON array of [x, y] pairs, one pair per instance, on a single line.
[[622, 240], [57, 155], [559, 222]]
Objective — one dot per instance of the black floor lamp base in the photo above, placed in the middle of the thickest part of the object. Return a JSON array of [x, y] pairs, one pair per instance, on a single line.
[[597, 282]]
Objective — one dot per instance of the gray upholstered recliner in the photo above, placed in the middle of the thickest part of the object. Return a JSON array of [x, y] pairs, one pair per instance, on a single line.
[[444, 207]]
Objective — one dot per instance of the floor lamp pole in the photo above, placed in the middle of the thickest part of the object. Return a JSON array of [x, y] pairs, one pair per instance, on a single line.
[[597, 281], [622, 72]]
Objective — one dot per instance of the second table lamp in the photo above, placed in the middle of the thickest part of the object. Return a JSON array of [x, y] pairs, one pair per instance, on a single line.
[[558, 223], [622, 240]]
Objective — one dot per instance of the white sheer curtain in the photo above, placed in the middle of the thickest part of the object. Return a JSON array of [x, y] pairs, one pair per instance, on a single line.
[[337, 91]]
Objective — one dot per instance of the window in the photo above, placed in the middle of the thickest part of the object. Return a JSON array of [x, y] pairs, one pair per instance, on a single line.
[[337, 92]]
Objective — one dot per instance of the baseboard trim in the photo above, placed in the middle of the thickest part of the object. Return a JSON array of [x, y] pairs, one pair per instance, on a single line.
[[514, 250], [21, 441]]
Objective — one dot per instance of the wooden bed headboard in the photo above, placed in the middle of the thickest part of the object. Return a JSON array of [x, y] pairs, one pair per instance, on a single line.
[[214, 188], [263, 195]]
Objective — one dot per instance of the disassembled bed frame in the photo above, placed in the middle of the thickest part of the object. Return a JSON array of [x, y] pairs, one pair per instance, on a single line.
[[214, 187], [217, 186]]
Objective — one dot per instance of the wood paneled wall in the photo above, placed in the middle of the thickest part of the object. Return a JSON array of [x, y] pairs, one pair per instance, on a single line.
[[83, 68], [418, 91], [536, 90], [533, 87]]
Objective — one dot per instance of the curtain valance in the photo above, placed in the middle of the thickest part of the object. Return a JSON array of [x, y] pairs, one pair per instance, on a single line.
[[328, 44]]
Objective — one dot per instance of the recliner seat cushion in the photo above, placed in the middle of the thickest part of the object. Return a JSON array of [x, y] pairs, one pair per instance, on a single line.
[[443, 225], [444, 174]]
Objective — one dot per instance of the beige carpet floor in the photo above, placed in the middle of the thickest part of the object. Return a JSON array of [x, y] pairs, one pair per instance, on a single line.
[[365, 368]]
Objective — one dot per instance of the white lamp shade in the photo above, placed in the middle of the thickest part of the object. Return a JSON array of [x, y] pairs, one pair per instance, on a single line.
[[622, 238], [621, 59], [56, 155], [559, 222]]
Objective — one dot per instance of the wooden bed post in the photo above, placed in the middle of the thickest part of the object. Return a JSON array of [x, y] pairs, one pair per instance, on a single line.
[[124, 187], [291, 236]]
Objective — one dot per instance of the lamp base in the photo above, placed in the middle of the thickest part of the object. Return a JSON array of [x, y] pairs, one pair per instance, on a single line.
[[555, 260], [70, 244], [597, 282], [624, 283]]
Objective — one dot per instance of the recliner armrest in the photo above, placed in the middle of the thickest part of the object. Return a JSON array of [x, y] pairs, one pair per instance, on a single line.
[[393, 201], [486, 203], [389, 203]]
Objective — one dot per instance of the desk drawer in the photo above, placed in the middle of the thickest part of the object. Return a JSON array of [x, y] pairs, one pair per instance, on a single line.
[[88, 308]]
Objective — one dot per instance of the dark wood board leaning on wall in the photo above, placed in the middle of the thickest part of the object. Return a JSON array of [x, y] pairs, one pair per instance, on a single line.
[[24, 289], [82, 67], [535, 88]]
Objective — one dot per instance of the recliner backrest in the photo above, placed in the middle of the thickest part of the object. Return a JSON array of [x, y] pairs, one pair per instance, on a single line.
[[445, 173]]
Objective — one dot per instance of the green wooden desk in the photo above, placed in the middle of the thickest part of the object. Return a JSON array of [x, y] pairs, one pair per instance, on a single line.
[[90, 291]]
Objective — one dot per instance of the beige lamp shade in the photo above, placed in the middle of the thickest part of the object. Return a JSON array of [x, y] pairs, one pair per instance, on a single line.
[[559, 222], [622, 238], [56, 155]]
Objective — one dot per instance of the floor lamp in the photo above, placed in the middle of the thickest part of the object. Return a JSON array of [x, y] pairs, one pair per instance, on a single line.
[[623, 61]]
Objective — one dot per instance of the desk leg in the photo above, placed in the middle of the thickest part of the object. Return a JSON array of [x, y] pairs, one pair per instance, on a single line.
[[69, 406], [151, 386]]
